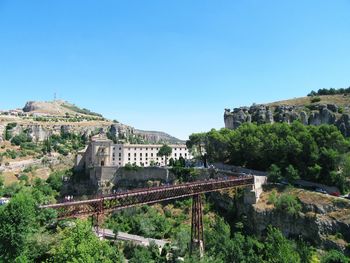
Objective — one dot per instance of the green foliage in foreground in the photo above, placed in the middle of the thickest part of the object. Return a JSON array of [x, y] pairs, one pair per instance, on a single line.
[[16, 223], [25, 236], [335, 256], [316, 153], [79, 244]]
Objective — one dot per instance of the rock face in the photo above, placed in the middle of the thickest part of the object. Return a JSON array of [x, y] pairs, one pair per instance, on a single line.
[[312, 115], [320, 222], [39, 132]]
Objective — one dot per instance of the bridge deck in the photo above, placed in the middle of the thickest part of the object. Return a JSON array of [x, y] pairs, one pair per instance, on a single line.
[[123, 200]]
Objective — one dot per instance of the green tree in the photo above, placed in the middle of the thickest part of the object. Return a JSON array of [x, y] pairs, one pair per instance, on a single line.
[[80, 244], [274, 174], [47, 146], [278, 249], [165, 151], [334, 256], [171, 162], [197, 144], [55, 180], [291, 173], [17, 221]]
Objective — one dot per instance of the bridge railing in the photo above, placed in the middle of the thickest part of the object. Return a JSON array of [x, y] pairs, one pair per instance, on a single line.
[[123, 200]]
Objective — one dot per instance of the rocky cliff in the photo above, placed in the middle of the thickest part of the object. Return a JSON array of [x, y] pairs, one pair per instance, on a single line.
[[38, 131], [39, 120], [311, 114], [323, 221]]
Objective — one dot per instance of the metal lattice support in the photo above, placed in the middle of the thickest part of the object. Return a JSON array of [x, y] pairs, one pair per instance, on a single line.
[[197, 238], [109, 203]]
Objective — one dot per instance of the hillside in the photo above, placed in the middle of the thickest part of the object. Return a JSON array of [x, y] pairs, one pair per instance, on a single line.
[[44, 136], [56, 108], [341, 100], [41, 119]]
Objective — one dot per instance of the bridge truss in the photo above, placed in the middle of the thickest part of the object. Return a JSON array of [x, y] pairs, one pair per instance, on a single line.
[[97, 207]]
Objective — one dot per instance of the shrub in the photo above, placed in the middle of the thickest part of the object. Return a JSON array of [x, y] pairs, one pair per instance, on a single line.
[[24, 178], [288, 203], [20, 138], [11, 154], [315, 99], [131, 167], [272, 199]]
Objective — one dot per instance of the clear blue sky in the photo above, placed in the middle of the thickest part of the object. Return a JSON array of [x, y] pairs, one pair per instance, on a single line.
[[171, 65]]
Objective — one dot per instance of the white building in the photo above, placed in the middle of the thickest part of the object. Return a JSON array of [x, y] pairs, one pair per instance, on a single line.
[[103, 152]]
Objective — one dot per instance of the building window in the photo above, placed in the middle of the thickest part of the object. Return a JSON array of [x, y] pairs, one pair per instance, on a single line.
[[135, 154], [146, 149], [113, 148], [120, 148], [151, 149], [135, 149], [175, 149], [146, 154], [128, 159], [141, 159], [151, 154], [113, 159], [120, 164], [185, 154], [129, 154], [175, 154], [120, 154], [134, 159], [120, 159], [140, 154]]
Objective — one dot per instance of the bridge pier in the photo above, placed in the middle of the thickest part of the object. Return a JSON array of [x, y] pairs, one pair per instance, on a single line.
[[197, 239]]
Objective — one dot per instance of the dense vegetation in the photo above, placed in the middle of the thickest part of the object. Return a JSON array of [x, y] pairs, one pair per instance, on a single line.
[[222, 243], [330, 91], [29, 234], [63, 143], [316, 153]]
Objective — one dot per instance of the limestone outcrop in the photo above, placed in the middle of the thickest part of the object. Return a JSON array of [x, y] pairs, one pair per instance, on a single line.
[[323, 221], [314, 114], [38, 132]]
